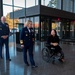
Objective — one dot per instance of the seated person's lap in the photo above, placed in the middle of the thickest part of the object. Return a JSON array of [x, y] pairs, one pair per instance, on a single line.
[[56, 48]]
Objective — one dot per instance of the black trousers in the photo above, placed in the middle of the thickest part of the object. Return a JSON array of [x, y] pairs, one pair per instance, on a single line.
[[6, 42], [58, 49], [28, 48]]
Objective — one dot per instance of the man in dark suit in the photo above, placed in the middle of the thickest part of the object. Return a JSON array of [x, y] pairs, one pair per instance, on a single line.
[[27, 43], [4, 37]]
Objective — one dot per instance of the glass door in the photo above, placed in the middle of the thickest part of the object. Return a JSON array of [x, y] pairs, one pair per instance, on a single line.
[[45, 28], [56, 24], [72, 30], [65, 29]]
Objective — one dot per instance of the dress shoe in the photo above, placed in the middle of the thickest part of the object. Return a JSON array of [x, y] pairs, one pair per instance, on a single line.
[[34, 66], [8, 59], [1, 57], [27, 64]]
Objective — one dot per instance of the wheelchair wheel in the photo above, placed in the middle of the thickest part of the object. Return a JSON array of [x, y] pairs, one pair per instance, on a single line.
[[45, 54]]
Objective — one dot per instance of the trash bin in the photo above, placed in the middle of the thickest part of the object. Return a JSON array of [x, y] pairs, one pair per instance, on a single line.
[[18, 46]]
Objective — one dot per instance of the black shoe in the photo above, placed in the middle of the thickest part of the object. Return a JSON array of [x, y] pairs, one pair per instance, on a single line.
[[34, 66], [1, 57], [9, 59], [61, 60], [27, 64]]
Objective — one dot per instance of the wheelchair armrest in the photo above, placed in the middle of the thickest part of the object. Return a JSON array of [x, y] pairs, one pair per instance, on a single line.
[[46, 44]]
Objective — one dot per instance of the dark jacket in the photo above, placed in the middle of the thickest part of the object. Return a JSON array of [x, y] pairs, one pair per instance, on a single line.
[[26, 37], [4, 29], [52, 39]]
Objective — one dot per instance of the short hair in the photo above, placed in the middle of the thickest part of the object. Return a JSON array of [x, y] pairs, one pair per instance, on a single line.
[[3, 17]]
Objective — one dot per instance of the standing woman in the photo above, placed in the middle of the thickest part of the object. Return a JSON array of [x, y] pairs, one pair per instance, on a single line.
[[27, 43], [53, 40]]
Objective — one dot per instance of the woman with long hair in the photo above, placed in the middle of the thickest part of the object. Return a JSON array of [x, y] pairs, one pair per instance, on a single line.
[[53, 41]]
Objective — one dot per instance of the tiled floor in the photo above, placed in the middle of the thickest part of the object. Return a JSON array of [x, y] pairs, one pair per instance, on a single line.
[[17, 67]]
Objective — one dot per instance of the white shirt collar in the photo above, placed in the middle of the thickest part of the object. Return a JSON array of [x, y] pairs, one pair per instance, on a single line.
[[28, 29]]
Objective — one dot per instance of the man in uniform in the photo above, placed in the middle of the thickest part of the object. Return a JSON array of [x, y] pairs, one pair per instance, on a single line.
[[4, 37], [27, 42]]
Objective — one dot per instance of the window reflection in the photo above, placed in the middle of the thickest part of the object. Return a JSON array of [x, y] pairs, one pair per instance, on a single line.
[[45, 28], [7, 2], [31, 18], [6, 10], [20, 3], [72, 30], [68, 5], [36, 28], [30, 3], [50, 3], [36, 2]]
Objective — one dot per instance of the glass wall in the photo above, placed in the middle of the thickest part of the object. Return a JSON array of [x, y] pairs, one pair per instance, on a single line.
[[36, 25], [67, 5], [74, 6], [32, 19], [72, 30], [65, 29], [14, 5], [45, 27], [6, 10], [7, 2], [8, 7], [52, 3], [57, 26], [37, 28], [30, 3], [19, 3]]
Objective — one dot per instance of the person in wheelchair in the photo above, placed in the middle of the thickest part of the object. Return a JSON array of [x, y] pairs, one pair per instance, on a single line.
[[53, 41]]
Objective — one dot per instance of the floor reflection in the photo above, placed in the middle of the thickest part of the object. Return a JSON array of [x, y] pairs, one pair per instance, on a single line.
[[17, 67]]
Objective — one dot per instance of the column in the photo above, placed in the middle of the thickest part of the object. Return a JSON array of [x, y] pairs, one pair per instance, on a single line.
[[1, 8]]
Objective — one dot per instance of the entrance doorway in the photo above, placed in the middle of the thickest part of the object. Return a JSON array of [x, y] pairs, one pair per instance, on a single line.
[[45, 28], [57, 26], [65, 29]]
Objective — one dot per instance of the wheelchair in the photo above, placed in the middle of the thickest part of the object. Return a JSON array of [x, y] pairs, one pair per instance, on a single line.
[[49, 54]]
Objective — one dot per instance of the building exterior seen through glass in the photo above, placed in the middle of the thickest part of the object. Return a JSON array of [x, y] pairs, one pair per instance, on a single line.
[[42, 23]]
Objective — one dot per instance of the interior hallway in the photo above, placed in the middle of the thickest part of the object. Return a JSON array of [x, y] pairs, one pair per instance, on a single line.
[[17, 67]]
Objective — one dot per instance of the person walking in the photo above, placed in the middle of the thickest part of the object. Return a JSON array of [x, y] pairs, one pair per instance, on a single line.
[[27, 43]]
